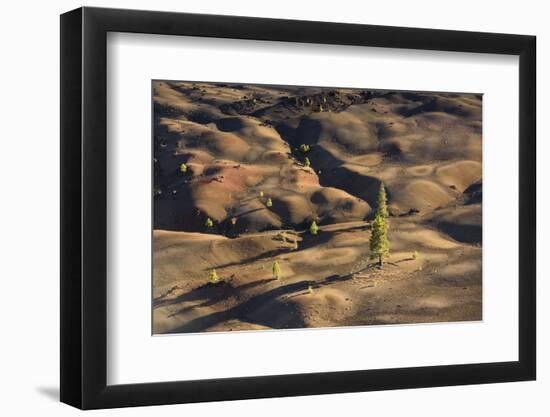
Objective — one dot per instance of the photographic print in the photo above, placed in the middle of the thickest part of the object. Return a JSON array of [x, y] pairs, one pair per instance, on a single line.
[[290, 207]]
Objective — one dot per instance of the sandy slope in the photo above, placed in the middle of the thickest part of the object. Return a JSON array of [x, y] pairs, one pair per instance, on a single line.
[[241, 146]]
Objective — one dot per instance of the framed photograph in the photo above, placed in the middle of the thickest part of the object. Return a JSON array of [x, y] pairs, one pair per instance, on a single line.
[[258, 208]]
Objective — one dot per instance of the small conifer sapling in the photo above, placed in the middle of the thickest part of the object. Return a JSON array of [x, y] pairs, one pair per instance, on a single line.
[[313, 229], [276, 269], [213, 277], [209, 223]]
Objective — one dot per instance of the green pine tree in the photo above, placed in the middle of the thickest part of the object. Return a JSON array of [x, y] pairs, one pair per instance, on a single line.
[[209, 223], [379, 243], [269, 203], [307, 162], [276, 268], [313, 229], [183, 168], [382, 201], [213, 277]]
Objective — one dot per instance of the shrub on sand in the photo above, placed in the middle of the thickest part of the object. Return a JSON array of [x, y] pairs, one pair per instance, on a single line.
[[213, 277], [276, 269], [313, 229]]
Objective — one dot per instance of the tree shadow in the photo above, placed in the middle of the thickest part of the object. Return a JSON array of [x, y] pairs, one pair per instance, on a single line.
[[287, 315], [270, 309], [236, 291], [213, 292], [309, 240], [268, 254], [323, 236], [253, 284]]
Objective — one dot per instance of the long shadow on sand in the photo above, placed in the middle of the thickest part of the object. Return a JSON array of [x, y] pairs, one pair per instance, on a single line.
[[291, 314], [211, 292], [324, 236], [233, 292], [281, 314], [256, 258]]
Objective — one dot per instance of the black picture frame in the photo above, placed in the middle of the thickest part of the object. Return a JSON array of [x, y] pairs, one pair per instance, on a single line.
[[84, 207]]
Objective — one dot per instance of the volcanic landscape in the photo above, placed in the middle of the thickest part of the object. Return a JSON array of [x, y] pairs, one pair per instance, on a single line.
[[242, 171]]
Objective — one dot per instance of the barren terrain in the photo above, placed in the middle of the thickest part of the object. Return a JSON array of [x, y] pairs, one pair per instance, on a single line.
[[242, 147]]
